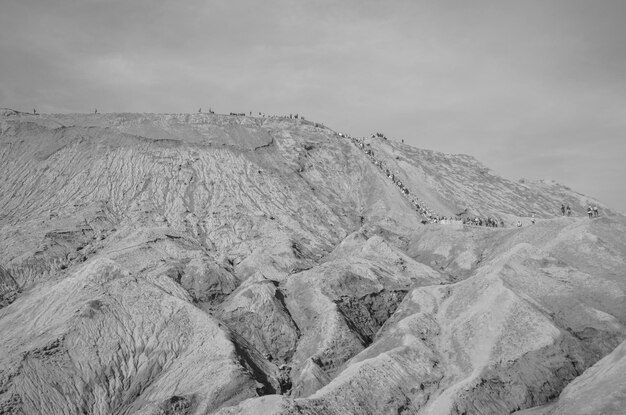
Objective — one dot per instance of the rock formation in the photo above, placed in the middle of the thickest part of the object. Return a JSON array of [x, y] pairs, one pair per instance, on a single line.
[[204, 263]]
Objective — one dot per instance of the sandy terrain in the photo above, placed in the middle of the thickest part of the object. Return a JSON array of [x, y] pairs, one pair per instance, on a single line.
[[203, 263]]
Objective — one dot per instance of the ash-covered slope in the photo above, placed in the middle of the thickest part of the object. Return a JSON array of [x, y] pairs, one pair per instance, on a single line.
[[192, 263], [452, 183]]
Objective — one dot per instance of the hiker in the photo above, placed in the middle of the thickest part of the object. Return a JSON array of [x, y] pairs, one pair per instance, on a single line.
[[595, 211], [562, 209], [519, 224], [589, 212], [95, 111], [569, 211], [199, 110], [34, 111], [532, 218]]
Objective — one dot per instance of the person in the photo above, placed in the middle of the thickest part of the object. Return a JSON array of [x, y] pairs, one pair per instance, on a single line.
[[95, 111], [569, 211], [595, 211], [532, 218], [562, 209], [519, 224], [589, 212], [199, 110]]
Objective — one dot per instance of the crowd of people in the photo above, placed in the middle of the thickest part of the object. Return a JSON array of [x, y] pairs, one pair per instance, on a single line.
[[488, 222], [260, 114], [425, 211], [419, 205]]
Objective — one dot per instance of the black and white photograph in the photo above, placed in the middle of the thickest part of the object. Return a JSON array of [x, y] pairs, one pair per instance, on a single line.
[[321, 207]]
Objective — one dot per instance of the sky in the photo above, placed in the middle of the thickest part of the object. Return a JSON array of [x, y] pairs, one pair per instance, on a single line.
[[532, 89]]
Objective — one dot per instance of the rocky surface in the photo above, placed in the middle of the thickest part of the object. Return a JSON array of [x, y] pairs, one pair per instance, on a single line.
[[8, 288], [601, 389], [197, 264]]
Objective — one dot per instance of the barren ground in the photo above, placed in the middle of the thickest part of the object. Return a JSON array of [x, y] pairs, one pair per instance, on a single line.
[[199, 264]]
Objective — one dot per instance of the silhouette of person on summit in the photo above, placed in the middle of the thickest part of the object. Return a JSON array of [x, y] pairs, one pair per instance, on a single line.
[[562, 209]]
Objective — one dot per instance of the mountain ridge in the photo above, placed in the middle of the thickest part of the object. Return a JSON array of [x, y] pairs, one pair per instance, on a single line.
[[325, 287]]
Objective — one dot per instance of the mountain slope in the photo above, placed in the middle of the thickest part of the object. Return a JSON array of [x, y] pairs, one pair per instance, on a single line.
[[192, 263]]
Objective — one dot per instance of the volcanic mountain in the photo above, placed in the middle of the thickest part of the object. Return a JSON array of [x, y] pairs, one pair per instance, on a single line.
[[206, 263]]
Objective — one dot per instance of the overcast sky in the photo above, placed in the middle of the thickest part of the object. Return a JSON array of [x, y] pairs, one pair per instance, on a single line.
[[533, 89]]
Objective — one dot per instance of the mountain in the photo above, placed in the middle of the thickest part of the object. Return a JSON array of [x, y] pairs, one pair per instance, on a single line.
[[205, 263]]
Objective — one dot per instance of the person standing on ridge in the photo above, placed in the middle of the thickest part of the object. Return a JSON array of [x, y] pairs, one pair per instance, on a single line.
[[589, 212], [562, 209], [595, 211], [569, 211]]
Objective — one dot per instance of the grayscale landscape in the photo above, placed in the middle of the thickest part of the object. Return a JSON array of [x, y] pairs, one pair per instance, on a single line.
[[322, 207], [226, 264]]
